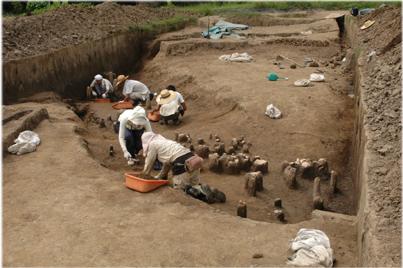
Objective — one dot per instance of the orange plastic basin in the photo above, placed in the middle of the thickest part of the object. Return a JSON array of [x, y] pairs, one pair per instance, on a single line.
[[154, 116], [141, 185], [122, 105], [101, 100]]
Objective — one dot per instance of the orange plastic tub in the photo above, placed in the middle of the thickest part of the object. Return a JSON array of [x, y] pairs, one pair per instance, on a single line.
[[122, 105], [154, 116], [141, 185], [101, 100]]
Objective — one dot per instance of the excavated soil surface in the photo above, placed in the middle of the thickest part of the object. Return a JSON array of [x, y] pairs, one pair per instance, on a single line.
[[229, 99], [77, 212], [71, 25]]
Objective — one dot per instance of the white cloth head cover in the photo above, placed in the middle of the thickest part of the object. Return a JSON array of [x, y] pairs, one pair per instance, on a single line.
[[147, 138], [98, 77], [138, 116]]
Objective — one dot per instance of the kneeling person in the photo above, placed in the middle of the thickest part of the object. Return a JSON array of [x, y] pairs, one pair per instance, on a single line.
[[100, 87], [134, 90], [133, 123], [174, 156], [171, 105]]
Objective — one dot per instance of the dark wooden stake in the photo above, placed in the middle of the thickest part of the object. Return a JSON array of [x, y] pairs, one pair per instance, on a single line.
[[333, 182], [242, 210]]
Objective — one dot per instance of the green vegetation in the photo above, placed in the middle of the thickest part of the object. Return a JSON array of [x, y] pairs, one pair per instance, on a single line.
[[211, 8], [41, 7], [156, 27], [36, 7]]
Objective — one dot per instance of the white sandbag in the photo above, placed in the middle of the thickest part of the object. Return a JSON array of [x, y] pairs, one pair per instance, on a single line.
[[317, 77], [311, 247], [236, 57], [313, 257], [273, 112], [26, 142], [302, 83]]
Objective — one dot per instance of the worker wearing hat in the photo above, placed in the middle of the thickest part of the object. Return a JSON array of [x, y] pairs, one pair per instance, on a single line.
[[133, 89], [171, 105], [100, 87]]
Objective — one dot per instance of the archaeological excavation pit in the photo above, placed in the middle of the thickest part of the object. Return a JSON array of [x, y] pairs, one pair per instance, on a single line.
[[229, 100], [313, 152]]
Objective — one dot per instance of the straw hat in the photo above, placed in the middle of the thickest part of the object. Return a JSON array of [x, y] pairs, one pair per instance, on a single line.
[[367, 24], [166, 96], [121, 78]]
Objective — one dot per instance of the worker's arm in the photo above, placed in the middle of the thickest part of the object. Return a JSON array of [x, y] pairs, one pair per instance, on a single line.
[[92, 85], [150, 159], [182, 102], [109, 87], [184, 106], [122, 141], [147, 127], [163, 175]]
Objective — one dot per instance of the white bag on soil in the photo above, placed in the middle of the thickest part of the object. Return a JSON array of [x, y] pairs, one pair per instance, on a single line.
[[273, 112], [26, 142], [302, 83], [317, 77], [237, 57], [311, 248]]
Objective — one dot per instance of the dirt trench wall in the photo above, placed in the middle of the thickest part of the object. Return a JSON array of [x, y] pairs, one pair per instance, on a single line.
[[69, 70], [370, 244]]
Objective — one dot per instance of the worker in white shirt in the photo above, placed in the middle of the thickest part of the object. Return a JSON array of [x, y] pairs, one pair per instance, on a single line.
[[173, 156], [134, 90], [132, 124], [100, 87], [171, 105]]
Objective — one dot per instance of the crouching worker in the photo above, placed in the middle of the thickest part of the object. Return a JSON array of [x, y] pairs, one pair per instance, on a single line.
[[134, 90], [184, 164], [132, 124], [100, 87], [171, 105]]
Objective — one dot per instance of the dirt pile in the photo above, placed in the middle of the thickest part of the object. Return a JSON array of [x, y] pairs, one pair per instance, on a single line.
[[382, 95], [386, 32], [71, 25]]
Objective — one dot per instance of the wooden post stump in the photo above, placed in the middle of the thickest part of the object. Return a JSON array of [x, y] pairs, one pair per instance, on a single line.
[[333, 182], [258, 177], [290, 174], [202, 151], [242, 209], [279, 214], [317, 199], [260, 165], [277, 203], [250, 186]]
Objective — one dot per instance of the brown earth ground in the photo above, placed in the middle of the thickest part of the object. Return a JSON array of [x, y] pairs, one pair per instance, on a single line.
[[229, 99], [77, 212], [72, 25]]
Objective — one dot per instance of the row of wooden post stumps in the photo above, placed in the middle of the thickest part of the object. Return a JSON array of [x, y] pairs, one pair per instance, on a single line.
[[254, 183]]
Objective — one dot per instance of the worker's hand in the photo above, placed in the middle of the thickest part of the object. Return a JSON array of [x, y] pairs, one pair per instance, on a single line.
[[94, 93], [127, 155], [104, 96]]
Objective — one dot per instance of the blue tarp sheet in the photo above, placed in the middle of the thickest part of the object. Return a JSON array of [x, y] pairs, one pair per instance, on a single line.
[[223, 28]]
